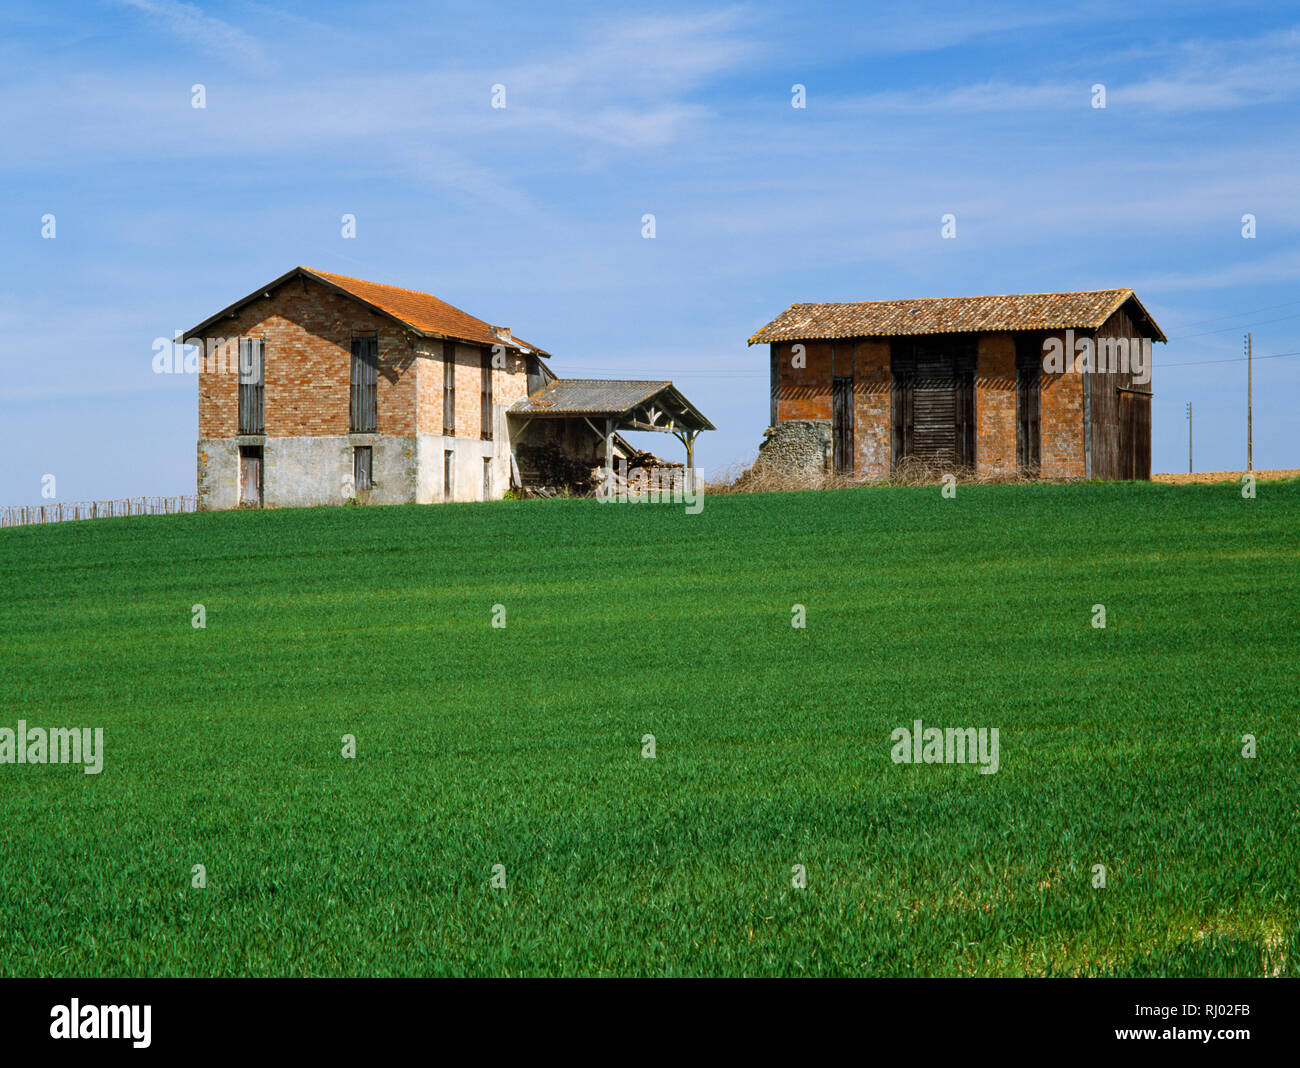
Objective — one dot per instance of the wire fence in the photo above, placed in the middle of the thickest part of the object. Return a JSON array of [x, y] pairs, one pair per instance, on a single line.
[[17, 515]]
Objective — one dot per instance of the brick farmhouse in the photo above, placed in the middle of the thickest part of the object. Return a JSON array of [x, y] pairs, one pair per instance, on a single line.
[[318, 388], [1053, 383]]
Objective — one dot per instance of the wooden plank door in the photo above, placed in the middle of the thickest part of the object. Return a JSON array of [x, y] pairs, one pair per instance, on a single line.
[[842, 424], [904, 408], [1134, 435], [1142, 436], [250, 475]]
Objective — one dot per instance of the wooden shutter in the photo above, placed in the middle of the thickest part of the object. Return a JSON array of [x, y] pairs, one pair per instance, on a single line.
[[485, 413], [936, 411], [365, 385], [1029, 434], [934, 399], [1029, 402], [964, 402], [449, 388], [904, 402], [252, 386], [842, 424]]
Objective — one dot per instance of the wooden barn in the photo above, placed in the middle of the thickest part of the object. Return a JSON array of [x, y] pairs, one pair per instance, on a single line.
[[1057, 384]]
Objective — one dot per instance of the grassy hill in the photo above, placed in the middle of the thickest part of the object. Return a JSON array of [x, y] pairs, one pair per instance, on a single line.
[[521, 746]]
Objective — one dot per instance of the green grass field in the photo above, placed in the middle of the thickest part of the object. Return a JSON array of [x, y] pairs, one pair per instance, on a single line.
[[479, 746]]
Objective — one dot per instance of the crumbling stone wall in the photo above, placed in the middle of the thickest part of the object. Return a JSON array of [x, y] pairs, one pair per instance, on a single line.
[[796, 447]]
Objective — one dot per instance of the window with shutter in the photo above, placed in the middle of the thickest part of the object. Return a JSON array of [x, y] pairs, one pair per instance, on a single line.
[[485, 415], [365, 385], [1029, 387], [934, 399], [252, 386], [449, 388]]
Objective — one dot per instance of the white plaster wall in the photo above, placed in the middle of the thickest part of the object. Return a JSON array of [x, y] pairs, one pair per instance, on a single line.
[[218, 473]]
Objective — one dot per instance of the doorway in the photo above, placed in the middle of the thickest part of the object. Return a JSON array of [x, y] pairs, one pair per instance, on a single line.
[[250, 475]]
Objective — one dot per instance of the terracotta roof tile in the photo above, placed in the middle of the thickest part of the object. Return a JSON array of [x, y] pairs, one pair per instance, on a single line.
[[423, 311], [945, 315]]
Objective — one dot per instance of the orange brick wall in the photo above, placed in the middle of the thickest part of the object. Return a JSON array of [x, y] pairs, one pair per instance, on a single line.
[[307, 331], [872, 408], [469, 384], [219, 392], [995, 404], [803, 392], [509, 384], [1062, 423], [428, 387]]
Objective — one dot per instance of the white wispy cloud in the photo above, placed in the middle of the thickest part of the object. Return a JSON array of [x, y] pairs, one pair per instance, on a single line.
[[192, 24], [1182, 76]]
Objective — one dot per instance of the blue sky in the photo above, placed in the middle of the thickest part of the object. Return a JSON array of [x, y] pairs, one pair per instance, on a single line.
[[530, 216]]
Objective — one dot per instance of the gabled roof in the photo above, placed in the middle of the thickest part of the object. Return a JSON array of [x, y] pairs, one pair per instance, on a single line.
[[949, 315], [568, 397], [422, 312]]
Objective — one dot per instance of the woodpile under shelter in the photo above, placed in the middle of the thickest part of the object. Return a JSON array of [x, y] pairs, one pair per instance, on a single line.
[[586, 418]]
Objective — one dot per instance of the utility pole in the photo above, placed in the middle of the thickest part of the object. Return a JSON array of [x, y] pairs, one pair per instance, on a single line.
[[1189, 437], [1250, 406]]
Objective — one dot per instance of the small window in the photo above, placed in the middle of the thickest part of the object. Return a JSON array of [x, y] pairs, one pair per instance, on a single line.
[[487, 478], [485, 416], [362, 458], [448, 475], [449, 388], [252, 386]]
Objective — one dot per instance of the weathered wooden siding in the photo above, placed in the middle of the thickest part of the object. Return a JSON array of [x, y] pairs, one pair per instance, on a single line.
[[1119, 412]]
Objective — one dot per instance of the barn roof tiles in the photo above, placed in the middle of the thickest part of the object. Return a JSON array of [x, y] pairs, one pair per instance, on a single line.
[[949, 315]]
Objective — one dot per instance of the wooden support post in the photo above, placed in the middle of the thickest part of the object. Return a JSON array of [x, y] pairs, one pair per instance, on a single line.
[[609, 453]]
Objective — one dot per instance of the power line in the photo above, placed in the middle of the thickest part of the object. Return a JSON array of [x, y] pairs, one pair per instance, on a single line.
[[1234, 315], [1237, 326], [1234, 359]]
